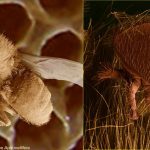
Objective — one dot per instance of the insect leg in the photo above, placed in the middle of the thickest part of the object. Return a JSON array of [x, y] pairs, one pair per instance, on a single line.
[[133, 88], [4, 120]]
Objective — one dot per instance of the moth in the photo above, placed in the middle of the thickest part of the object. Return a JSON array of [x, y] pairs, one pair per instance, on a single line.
[[22, 90], [132, 47]]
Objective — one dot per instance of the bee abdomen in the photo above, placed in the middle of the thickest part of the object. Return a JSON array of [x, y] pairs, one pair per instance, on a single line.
[[31, 98]]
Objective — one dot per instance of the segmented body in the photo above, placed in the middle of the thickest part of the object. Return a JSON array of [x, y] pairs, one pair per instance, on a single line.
[[133, 47]]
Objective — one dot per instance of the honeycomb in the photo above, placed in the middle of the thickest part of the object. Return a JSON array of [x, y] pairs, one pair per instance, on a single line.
[[47, 28]]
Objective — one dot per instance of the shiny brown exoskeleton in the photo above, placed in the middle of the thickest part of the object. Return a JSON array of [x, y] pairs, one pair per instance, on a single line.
[[132, 46]]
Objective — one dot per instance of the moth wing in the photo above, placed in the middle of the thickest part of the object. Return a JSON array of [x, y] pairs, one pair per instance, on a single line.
[[55, 68]]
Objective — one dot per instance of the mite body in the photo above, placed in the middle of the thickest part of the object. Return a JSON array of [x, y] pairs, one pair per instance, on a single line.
[[132, 46], [21, 91]]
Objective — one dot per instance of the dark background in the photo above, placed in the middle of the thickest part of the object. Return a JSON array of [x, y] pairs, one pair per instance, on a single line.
[[98, 12]]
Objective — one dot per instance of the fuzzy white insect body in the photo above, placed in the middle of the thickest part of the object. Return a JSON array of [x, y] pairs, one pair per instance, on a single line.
[[22, 91]]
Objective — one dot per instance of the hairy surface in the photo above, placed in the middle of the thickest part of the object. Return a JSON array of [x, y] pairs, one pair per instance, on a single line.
[[7, 55], [21, 90], [132, 46]]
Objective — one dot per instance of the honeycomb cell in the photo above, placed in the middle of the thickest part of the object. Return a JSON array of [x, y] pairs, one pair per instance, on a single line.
[[74, 105], [3, 142], [62, 9], [73, 98], [14, 21], [53, 83], [79, 145], [63, 45], [45, 137]]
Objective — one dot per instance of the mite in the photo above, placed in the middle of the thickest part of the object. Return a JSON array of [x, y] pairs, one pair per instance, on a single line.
[[132, 46]]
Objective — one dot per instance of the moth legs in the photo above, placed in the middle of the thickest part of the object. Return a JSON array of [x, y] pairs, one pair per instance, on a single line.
[[133, 88]]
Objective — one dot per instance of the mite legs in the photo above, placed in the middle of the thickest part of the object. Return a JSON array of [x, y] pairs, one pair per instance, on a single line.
[[133, 88], [133, 84]]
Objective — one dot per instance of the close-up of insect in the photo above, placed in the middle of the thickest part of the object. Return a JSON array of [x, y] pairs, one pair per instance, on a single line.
[[132, 45], [41, 74], [116, 78], [22, 91]]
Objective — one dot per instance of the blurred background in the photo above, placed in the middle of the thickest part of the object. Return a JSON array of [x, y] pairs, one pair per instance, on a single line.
[[47, 28], [106, 121]]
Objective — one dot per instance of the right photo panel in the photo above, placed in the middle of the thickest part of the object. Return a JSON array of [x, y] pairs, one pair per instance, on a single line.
[[116, 74]]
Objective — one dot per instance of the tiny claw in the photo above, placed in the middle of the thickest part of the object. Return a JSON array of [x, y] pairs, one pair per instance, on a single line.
[[134, 115]]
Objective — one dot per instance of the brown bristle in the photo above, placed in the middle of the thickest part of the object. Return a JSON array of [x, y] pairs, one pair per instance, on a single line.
[[108, 73]]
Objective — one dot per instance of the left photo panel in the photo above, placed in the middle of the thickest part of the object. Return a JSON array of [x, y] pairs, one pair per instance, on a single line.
[[41, 75]]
